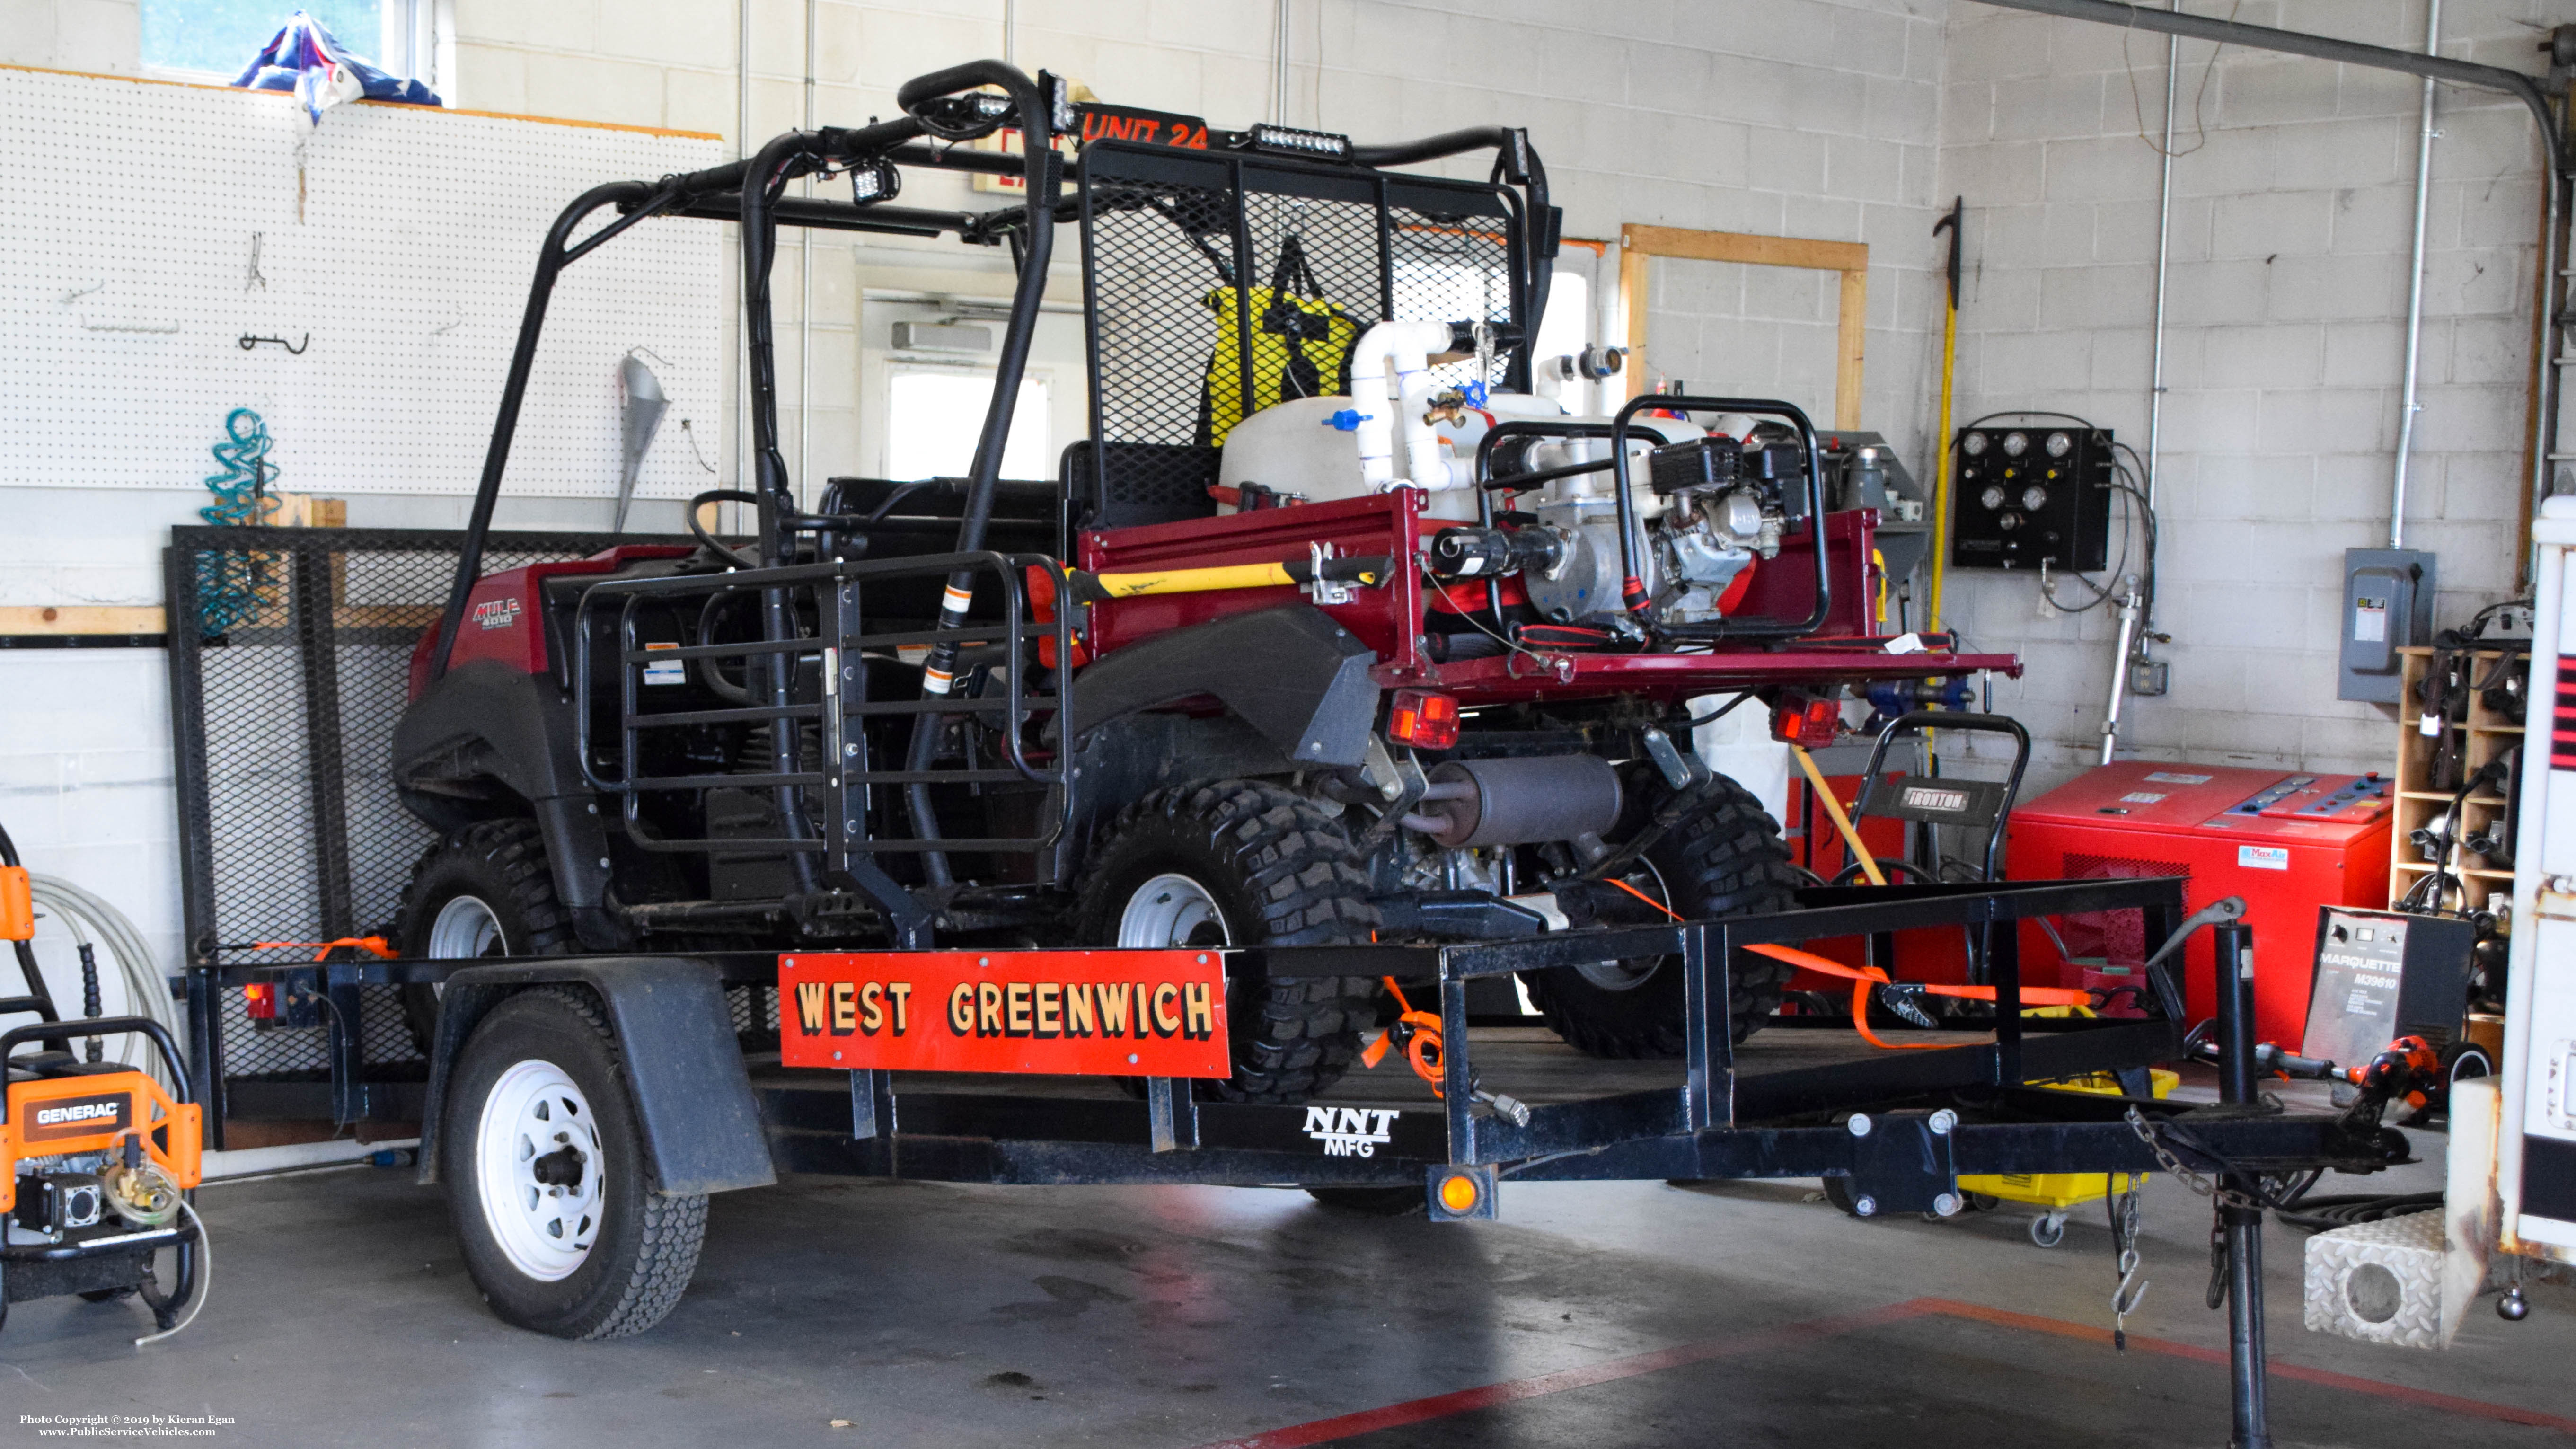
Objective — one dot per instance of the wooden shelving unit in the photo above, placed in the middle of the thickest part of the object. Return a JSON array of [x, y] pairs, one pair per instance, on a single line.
[[2418, 804]]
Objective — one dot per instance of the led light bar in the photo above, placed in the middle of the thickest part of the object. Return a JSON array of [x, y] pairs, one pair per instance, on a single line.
[[1293, 141]]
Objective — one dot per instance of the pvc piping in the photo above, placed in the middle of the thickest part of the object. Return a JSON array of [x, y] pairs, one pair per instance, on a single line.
[[742, 352], [2164, 252], [2407, 406], [2120, 671], [1426, 459], [247, 1162], [1279, 68], [1408, 346], [805, 299]]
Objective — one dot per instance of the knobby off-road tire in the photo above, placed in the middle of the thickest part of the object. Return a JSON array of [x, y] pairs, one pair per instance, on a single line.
[[1244, 864], [493, 873], [540, 1077], [1725, 860]]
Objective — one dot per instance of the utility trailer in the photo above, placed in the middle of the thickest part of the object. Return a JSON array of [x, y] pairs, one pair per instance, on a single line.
[[677, 1108], [1159, 787]]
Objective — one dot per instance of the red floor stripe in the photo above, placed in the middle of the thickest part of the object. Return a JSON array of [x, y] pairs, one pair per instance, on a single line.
[[2299, 1373], [1441, 1406]]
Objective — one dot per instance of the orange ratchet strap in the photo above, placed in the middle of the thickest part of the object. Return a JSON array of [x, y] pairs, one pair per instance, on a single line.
[[1419, 1031], [375, 946], [1864, 977]]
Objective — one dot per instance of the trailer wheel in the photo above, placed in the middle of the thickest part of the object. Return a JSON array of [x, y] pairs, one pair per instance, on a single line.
[[1726, 860], [545, 1172], [485, 890], [1243, 864]]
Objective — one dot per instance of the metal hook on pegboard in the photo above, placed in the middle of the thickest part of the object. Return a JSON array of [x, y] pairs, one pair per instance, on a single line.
[[293, 348]]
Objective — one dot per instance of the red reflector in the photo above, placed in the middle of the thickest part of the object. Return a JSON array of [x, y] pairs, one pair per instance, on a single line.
[[1807, 722], [1423, 719], [259, 1001]]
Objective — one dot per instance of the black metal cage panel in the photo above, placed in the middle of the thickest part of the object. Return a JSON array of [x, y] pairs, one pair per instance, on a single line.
[[289, 651], [1185, 257]]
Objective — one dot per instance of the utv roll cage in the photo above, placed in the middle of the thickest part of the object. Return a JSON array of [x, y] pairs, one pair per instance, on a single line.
[[942, 112]]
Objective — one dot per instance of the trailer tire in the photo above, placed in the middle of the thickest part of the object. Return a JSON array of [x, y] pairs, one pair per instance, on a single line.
[[1725, 860], [1268, 868], [549, 1055], [492, 874]]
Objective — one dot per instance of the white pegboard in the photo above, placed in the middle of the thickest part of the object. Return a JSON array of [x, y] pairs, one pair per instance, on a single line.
[[128, 213]]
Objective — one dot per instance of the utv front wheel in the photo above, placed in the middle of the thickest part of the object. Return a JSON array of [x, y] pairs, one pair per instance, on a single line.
[[1725, 859], [485, 890], [545, 1176], [1243, 864]]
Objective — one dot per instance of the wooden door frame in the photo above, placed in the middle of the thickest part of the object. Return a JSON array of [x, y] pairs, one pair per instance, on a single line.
[[1639, 244]]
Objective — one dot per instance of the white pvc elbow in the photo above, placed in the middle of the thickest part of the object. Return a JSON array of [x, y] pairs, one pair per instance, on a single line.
[[1402, 349]]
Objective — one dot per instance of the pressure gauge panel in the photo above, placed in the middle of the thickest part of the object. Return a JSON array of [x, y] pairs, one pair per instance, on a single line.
[[2026, 496]]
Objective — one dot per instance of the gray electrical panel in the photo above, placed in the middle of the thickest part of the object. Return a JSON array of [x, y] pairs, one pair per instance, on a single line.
[[2387, 606]]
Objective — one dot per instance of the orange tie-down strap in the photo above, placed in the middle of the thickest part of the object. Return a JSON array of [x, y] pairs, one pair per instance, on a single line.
[[375, 946], [1864, 977]]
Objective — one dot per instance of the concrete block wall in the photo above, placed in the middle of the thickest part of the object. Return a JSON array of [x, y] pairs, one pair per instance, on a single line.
[[1838, 119], [1799, 117], [2293, 193]]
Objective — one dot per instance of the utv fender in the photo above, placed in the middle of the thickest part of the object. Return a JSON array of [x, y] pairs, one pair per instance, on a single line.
[[1298, 677], [486, 731], [676, 1043]]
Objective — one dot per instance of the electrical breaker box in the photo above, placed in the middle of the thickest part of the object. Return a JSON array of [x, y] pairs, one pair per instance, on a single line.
[[2387, 606], [2028, 496], [2288, 843]]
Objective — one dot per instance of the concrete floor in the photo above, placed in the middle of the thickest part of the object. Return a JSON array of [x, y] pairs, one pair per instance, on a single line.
[[1745, 1313]]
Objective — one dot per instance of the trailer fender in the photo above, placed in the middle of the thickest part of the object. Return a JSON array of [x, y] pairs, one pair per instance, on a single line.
[[1297, 676], [683, 1066]]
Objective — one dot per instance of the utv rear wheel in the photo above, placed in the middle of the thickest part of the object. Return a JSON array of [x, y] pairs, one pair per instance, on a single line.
[[485, 890], [1243, 864], [1725, 860], [545, 1175]]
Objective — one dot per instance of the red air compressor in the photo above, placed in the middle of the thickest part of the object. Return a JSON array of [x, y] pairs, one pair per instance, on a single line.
[[2288, 843]]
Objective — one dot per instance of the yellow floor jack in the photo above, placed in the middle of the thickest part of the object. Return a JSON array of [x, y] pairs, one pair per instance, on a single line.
[[96, 1160]]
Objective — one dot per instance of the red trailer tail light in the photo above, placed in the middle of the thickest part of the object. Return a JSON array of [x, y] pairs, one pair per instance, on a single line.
[[1806, 721], [1424, 719], [259, 1001]]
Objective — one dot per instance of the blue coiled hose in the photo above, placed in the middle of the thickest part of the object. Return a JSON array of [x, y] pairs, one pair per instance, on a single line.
[[228, 582]]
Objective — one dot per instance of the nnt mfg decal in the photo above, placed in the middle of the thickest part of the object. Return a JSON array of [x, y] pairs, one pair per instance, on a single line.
[[1351, 1131]]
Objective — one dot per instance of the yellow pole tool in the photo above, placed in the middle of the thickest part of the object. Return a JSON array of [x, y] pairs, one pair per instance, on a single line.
[[1091, 588], [1842, 822], [1941, 437]]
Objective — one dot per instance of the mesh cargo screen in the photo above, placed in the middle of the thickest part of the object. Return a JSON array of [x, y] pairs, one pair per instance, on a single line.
[[1169, 234]]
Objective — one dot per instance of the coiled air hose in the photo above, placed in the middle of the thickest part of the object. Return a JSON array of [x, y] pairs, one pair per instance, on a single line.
[[228, 582]]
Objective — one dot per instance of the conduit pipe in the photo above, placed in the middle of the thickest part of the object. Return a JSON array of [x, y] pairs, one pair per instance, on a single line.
[[2542, 437], [1403, 349], [2407, 406]]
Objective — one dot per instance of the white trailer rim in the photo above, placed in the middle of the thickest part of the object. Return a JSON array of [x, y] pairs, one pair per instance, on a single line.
[[536, 1131]]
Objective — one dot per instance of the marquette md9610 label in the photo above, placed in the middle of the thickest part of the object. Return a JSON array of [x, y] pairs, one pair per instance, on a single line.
[[1073, 1013]]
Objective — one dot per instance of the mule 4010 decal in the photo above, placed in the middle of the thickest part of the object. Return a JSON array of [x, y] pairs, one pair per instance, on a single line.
[[1068, 1013]]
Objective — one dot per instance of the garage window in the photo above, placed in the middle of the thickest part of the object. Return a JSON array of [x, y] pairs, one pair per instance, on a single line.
[[217, 38], [935, 415]]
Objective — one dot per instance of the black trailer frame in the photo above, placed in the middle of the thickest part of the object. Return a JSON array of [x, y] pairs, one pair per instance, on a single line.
[[1902, 1127]]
